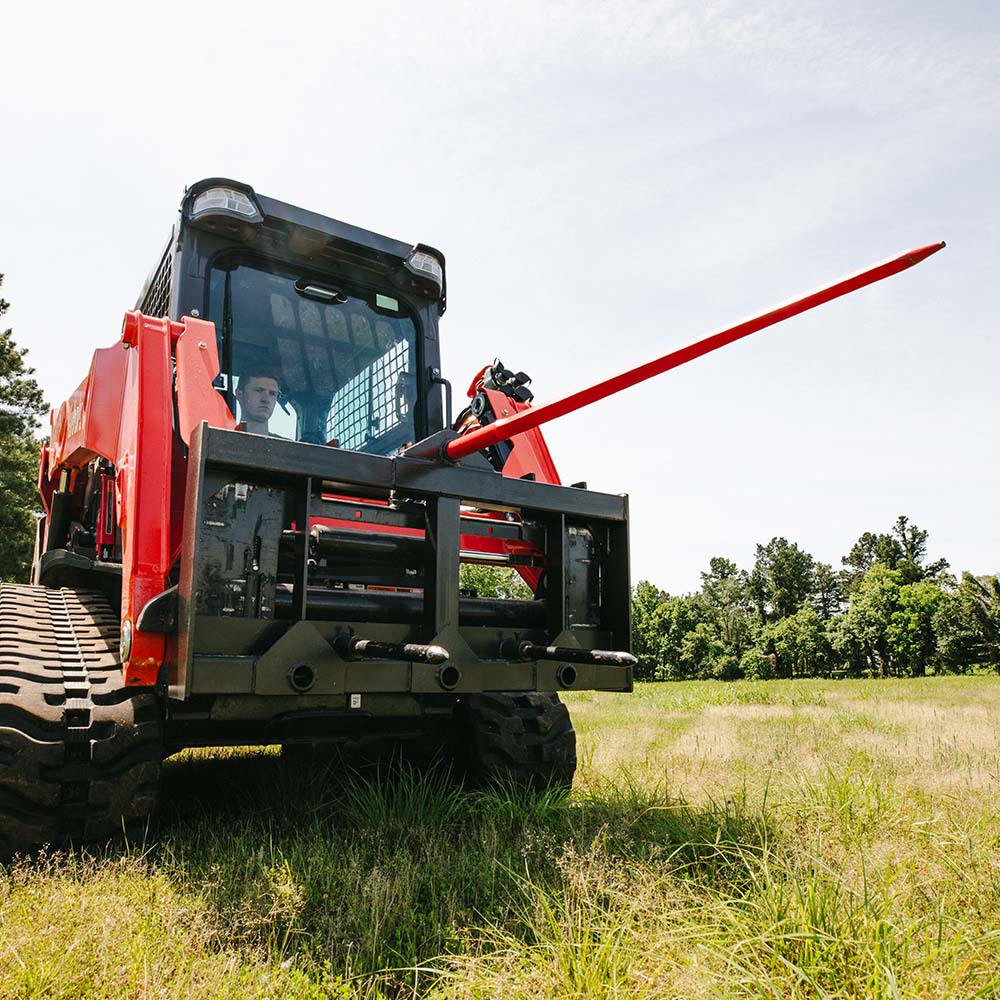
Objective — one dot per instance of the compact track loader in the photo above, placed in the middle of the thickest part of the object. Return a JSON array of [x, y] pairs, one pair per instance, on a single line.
[[256, 506]]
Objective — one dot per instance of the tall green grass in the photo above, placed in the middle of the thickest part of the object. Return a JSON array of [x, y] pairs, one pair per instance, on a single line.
[[765, 840]]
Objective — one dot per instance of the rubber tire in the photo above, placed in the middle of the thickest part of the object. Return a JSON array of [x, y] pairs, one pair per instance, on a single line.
[[524, 739], [78, 764]]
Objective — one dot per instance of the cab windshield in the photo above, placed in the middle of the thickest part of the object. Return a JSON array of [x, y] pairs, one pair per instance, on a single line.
[[308, 360]]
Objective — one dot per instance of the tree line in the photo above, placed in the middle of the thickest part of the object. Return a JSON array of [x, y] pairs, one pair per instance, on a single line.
[[888, 611], [21, 404]]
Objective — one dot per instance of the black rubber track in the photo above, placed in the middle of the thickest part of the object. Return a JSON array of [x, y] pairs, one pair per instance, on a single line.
[[79, 752], [524, 739]]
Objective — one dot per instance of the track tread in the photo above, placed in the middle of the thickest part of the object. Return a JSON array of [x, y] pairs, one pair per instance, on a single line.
[[79, 752], [525, 738]]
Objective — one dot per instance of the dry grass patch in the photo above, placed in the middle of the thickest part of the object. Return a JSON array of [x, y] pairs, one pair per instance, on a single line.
[[75, 928], [805, 839]]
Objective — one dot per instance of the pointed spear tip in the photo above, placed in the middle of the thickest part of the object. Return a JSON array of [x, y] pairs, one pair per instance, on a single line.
[[922, 253]]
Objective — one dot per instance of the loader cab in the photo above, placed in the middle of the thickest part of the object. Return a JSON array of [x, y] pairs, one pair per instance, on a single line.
[[341, 322]]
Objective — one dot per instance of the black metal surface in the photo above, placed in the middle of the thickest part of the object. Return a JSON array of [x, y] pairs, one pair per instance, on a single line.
[[386, 606], [160, 614], [581, 580], [616, 604], [442, 542], [270, 456], [424, 479], [436, 379], [62, 568], [236, 562], [555, 573], [345, 546], [418, 478], [280, 725], [247, 487], [300, 571], [58, 521]]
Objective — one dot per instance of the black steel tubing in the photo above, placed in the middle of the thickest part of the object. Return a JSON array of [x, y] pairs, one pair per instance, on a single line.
[[60, 515], [349, 546], [344, 546], [386, 606]]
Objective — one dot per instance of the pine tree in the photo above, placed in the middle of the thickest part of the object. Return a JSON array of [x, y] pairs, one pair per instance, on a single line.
[[21, 404]]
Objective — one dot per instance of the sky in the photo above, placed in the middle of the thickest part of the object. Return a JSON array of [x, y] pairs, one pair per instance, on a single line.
[[607, 181]]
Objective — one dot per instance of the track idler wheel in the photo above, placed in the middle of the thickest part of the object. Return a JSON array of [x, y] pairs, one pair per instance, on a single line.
[[523, 739], [79, 752]]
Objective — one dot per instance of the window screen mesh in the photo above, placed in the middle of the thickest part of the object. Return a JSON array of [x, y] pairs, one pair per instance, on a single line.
[[156, 301], [373, 402]]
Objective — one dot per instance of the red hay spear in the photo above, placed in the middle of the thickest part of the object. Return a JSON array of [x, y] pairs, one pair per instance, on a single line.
[[507, 427]]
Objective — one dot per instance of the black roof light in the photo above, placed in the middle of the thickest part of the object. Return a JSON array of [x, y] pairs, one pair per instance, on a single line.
[[423, 269], [221, 199], [423, 263]]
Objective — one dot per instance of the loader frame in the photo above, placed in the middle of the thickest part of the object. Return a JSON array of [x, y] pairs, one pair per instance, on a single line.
[[247, 641]]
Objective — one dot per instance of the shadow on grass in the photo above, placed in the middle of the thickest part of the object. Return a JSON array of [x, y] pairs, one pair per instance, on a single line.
[[389, 869]]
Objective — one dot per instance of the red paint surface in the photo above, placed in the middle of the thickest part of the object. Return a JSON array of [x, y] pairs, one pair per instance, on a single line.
[[124, 411], [197, 360]]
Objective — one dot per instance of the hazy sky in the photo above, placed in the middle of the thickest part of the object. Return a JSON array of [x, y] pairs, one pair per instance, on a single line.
[[607, 180]]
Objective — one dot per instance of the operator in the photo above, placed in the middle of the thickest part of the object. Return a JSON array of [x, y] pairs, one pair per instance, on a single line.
[[257, 394]]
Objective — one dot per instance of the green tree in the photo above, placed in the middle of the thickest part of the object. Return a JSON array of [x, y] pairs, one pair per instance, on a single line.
[[21, 404], [875, 599], [847, 649], [782, 578], [681, 615], [868, 550], [499, 582], [649, 630], [725, 592], [756, 665], [800, 644], [701, 652], [957, 632], [913, 545], [904, 548], [911, 636], [968, 624], [828, 591]]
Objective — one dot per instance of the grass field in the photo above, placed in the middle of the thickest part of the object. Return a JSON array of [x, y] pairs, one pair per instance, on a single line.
[[779, 839]]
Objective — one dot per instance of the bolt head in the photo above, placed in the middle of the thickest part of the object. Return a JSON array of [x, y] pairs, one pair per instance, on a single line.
[[125, 641]]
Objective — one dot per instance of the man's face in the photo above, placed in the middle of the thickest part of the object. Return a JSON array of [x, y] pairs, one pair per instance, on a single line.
[[257, 396]]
